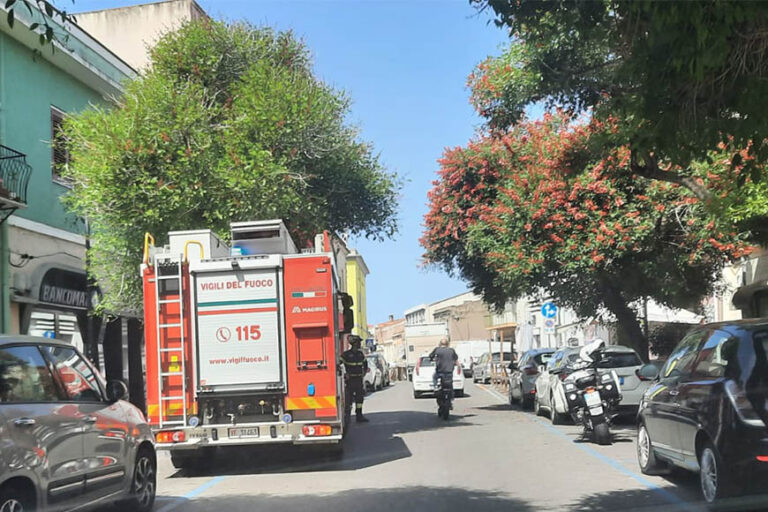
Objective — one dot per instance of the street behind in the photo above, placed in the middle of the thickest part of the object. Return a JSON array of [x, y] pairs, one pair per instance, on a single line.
[[489, 456]]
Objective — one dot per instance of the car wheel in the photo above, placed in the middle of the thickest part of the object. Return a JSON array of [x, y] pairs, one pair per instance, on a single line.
[[144, 484], [416, 394], [14, 499], [646, 456], [527, 401], [554, 416], [459, 393], [536, 406], [713, 476]]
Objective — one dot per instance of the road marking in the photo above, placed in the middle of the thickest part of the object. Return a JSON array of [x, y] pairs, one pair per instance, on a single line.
[[669, 496], [176, 502]]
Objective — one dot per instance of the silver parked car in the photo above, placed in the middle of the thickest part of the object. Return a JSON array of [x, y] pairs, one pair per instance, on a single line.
[[550, 395], [626, 363], [481, 370], [69, 440], [522, 375]]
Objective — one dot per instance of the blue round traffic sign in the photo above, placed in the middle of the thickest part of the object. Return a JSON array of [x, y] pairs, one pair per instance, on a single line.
[[549, 310]]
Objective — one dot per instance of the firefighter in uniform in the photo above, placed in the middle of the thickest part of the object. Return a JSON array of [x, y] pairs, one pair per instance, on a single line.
[[355, 364]]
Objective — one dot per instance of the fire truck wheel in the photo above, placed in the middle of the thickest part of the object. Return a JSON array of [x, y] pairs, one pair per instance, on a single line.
[[192, 461], [336, 451]]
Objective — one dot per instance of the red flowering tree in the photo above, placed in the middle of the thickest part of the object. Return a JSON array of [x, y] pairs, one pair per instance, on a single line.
[[544, 207]]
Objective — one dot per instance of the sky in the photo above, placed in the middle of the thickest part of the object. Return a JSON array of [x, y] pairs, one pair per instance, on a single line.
[[404, 63]]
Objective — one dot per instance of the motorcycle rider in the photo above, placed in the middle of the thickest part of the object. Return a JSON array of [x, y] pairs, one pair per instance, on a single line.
[[446, 359]]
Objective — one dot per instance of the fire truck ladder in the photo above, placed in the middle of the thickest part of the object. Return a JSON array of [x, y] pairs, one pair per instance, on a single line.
[[178, 278]]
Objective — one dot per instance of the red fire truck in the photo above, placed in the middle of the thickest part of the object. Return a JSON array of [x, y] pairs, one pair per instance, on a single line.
[[242, 342]]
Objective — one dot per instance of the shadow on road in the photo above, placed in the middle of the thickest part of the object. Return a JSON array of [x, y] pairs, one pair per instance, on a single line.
[[365, 445], [495, 407], [369, 500], [683, 497]]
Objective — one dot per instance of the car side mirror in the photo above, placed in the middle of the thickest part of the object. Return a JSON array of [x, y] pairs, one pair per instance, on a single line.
[[648, 372], [512, 366], [116, 390]]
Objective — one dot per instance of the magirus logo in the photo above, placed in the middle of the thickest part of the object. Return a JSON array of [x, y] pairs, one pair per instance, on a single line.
[[312, 309]]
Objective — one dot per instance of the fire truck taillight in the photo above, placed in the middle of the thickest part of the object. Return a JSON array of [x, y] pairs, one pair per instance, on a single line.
[[173, 436], [316, 430]]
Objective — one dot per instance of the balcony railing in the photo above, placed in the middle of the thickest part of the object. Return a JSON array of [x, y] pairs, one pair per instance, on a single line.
[[14, 179]]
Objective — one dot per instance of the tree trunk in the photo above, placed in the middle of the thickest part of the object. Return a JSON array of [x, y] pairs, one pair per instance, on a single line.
[[627, 319]]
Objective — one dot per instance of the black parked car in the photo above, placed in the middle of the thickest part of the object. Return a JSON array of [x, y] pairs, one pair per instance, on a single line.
[[707, 411]]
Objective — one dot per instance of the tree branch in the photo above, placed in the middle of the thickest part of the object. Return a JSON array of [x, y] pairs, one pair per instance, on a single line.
[[651, 171]]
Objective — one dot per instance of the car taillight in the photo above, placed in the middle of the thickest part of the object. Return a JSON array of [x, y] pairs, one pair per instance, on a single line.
[[762, 458], [316, 430], [741, 403], [531, 370], [171, 436], [458, 370], [563, 376], [418, 365], [368, 370]]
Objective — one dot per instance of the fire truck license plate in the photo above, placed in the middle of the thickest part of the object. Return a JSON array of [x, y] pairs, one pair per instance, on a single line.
[[243, 432]]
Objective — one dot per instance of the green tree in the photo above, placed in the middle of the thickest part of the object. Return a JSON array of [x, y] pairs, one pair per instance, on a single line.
[[229, 124], [545, 208], [681, 76]]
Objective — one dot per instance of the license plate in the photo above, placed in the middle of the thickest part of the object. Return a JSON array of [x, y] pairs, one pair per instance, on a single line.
[[621, 380], [596, 411], [238, 433], [592, 399]]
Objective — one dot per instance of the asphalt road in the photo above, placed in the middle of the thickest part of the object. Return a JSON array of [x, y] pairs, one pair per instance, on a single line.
[[489, 456]]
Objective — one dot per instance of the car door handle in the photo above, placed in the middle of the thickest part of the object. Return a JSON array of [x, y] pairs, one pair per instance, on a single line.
[[24, 422], [90, 419]]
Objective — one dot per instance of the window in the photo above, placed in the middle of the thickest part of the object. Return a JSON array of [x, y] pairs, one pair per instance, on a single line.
[[543, 358], [683, 356], [552, 363], [80, 382], [620, 360], [425, 361], [25, 377], [59, 151], [711, 362]]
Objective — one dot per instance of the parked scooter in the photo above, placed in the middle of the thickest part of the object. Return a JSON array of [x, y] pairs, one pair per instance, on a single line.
[[592, 397], [444, 395]]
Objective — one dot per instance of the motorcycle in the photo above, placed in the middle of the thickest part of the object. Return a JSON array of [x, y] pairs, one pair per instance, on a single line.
[[592, 396], [444, 395]]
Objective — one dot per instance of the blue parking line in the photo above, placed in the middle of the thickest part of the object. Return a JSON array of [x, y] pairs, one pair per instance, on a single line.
[[191, 494], [669, 496]]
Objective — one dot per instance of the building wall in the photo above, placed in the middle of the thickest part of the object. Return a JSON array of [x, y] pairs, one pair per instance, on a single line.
[[130, 31], [43, 240], [25, 124], [390, 340], [356, 288], [466, 321]]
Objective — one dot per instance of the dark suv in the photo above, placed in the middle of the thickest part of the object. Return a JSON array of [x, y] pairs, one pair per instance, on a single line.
[[707, 411], [68, 440]]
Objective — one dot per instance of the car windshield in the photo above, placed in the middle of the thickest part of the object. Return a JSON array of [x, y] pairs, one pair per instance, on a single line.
[[620, 360], [497, 357], [541, 359]]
